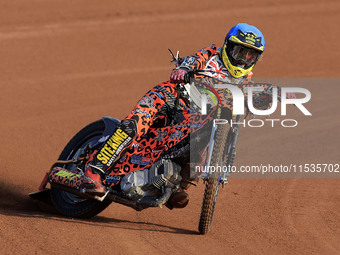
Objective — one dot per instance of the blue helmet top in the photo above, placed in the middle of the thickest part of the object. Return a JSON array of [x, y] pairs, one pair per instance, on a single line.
[[247, 35]]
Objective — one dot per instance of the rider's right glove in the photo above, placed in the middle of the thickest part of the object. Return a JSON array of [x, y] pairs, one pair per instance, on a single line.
[[178, 75], [291, 95]]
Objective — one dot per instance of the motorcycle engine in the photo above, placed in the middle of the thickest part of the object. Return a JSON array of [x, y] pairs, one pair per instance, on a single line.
[[151, 182]]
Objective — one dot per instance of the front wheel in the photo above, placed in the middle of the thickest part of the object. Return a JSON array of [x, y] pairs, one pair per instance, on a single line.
[[212, 184], [69, 204]]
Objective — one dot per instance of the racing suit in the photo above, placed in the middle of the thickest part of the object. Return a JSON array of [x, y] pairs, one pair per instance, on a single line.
[[155, 106], [117, 156]]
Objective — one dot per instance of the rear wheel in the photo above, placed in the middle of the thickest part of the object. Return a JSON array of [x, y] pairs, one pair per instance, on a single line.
[[69, 204], [212, 184]]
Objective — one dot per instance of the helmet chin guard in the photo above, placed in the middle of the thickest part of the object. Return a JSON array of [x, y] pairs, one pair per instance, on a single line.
[[237, 71]]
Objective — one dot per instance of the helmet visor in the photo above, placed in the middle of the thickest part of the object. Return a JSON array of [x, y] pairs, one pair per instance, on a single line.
[[243, 55]]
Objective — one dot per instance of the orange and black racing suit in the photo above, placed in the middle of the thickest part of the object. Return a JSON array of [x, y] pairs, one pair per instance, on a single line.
[[119, 154]]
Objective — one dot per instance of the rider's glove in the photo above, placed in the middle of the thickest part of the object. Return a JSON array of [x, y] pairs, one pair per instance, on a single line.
[[291, 95], [178, 75]]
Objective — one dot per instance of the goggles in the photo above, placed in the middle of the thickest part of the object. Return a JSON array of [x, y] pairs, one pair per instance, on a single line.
[[243, 55]]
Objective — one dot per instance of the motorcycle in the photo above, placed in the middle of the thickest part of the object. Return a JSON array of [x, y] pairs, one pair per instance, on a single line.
[[201, 141]]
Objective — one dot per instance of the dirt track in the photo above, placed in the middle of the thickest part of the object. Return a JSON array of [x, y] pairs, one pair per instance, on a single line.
[[67, 64]]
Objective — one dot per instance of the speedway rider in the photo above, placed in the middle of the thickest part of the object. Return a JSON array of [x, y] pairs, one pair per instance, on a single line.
[[241, 50]]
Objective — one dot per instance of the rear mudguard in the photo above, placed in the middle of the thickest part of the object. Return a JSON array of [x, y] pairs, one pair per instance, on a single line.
[[110, 125]]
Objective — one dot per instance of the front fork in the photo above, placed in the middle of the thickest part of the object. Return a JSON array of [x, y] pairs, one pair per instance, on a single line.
[[231, 153], [233, 135]]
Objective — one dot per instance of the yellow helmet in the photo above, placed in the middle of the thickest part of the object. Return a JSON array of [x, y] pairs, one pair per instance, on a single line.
[[242, 48]]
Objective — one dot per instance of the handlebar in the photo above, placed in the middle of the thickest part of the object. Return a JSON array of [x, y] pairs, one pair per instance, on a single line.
[[203, 72]]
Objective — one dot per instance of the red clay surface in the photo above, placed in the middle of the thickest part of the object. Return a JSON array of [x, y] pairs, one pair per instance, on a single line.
[[65, 64]]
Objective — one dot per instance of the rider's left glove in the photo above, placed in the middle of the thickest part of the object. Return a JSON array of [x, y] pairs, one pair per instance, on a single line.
[[178, 75]]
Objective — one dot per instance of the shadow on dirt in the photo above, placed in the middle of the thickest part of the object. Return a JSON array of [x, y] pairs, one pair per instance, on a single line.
[[13, 199], [15, 202]]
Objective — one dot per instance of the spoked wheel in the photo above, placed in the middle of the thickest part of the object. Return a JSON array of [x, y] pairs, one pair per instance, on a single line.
[[212, 184], [69, 204]]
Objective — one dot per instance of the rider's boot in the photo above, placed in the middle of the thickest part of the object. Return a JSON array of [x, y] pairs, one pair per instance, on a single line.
[[94, 173], [179, 199]]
